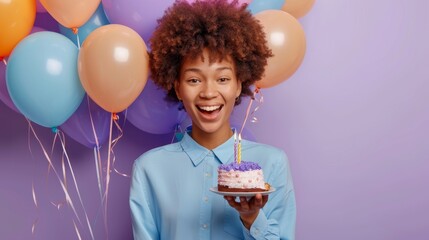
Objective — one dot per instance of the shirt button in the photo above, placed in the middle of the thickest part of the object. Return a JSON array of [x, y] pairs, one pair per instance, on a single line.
[[207, 175], [256, 231], [206, 199], [205, 226]]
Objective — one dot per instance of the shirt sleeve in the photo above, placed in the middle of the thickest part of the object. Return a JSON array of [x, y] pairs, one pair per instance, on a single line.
[[142, 217], [278, 217]]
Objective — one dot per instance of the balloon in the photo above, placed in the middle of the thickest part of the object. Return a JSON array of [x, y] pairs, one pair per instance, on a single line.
[[257, 6], [80, 126], [97, 19], [16, 20], [47, 22], [39, 7], [71, 13], [286, 39], [42, 78], [151, 113], [298, 8], [113, 66], [139, 15], [4, 94]]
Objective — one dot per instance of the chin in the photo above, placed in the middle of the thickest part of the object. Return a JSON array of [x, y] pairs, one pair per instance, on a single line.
[[210, 128]]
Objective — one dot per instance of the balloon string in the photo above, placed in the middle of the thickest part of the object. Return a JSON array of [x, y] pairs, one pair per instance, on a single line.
[[33, 191], [106, 190], [77, 231], [78, 41], [36, 221], [100, 188], [97, 156], [62, 140], [248, 113], [97, 168], [34, 195], [260, 100], [66, 193], [248, 110], [75, 31], [114, 142], [33, 227]]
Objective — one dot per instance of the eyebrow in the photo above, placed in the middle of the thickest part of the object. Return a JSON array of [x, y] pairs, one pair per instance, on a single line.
[[199, 70]]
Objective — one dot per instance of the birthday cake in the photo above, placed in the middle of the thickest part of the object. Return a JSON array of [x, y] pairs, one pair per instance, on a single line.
[[241, 177]]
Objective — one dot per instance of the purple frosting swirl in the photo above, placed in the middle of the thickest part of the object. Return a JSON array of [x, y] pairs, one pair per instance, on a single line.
[[243, 166]]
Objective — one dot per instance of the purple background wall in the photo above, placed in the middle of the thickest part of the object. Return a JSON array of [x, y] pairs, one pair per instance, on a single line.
[[353, 119]]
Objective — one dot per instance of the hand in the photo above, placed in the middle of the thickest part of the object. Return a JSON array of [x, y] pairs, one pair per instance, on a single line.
[[248, 208]]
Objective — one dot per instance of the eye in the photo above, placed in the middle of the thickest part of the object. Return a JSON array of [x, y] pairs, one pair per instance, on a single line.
[[193, 80], [223, 80]]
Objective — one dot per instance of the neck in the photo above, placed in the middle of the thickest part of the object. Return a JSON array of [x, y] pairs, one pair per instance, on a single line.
[[211, 140]]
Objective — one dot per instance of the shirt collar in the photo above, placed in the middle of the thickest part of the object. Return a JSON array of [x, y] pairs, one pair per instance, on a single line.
[[224, 152]]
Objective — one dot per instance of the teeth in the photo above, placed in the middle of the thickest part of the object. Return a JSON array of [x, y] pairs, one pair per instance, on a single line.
[[210, 108]]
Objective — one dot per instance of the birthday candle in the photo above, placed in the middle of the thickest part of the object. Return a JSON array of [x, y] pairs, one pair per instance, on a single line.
[[239, 149], [235, 147]]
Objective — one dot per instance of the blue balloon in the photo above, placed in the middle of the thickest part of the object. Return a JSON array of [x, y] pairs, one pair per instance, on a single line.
[[257, 6], [97, 20], [42, 78]]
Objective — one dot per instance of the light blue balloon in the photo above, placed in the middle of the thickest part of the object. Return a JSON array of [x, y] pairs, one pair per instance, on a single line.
[[97, 20], [42, 78], [256, 6]]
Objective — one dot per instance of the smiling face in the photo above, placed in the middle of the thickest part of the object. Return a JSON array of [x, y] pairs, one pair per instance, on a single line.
[[208, 91]]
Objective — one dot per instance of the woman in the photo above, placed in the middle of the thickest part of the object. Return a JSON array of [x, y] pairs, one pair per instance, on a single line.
[[207, 54]]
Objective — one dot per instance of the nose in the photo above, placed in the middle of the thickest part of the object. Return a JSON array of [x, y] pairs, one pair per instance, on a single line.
[[208, 90]]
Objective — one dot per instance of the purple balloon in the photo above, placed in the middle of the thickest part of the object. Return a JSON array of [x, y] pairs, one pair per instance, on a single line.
[[46, 21], [4, 94], [79, 126], [151, 113], [139, 15], [39, 7]]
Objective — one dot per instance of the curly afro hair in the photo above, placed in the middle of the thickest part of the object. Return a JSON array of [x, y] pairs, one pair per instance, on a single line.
[[223, 28]]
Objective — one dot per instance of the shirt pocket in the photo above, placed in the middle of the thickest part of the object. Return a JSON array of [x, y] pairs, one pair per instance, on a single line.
[[232, 223]]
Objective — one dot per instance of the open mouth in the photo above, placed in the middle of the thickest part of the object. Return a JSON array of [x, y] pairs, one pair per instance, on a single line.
[[210, 109]]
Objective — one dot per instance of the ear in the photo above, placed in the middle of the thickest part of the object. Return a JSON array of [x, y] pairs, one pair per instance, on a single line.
[[239, 88], [176, 89]]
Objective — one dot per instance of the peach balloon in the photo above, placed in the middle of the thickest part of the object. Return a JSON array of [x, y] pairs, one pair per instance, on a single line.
[[16, 20], [286, 39], [298, 8], [71, 13], [113, 66]]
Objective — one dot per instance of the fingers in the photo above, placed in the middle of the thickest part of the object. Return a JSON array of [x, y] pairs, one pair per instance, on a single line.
[[232, 202], [260, 200], [245, 204]]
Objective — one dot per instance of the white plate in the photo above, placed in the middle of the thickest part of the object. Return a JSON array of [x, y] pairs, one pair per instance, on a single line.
[[241, 194]]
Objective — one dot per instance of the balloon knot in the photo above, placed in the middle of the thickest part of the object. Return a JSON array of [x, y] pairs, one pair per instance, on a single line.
[[257, 89], [75, 30], [54, 130], [115, 116]]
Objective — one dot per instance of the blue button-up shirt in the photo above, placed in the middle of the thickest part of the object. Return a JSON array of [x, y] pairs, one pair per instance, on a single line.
[[170, 195]]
